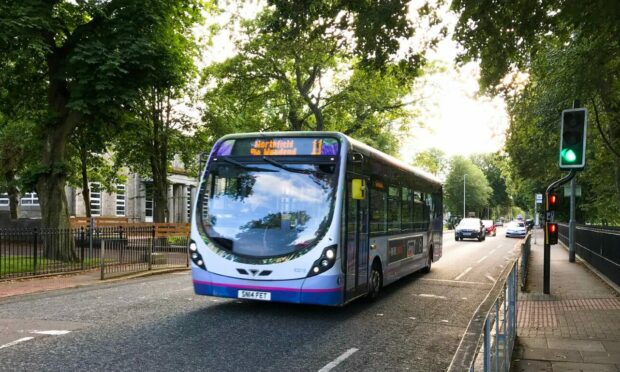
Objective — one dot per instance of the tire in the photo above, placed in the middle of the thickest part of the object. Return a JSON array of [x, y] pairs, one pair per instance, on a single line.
[[429, 262], [375, 282], [456, 238]]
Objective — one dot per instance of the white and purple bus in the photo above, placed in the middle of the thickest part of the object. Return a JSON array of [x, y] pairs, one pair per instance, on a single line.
[[310, 217]]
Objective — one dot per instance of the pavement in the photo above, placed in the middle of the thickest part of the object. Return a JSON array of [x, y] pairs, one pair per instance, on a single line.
[[576, 327], [16, 287]]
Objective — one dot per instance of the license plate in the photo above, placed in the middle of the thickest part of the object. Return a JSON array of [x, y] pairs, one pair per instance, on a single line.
[[254, 295]]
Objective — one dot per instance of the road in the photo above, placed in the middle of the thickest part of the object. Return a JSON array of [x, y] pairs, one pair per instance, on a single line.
[[158, 324]]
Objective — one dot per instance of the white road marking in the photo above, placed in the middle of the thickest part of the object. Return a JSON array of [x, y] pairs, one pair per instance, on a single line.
[[452, 281], [490, 278], [463, 273], [444, 321], [431, 295], [492, 251], [51, 332], [16, 342], [412, 318], [482, 259], [331, 365]]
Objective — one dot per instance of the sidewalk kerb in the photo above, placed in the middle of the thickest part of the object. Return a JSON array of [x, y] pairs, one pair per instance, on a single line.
[[100, 282]]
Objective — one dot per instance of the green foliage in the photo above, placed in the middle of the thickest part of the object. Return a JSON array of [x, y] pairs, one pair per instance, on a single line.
[[477, 189], [493, 166], [432, 160], [311, 65], [569, 51], [84, 63]]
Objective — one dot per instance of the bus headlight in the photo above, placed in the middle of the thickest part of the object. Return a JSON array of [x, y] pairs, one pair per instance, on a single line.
[[325, 262], [195, 255], [330, 254]]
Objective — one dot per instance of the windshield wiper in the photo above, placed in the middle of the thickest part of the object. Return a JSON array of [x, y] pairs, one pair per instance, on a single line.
[[286, 167]]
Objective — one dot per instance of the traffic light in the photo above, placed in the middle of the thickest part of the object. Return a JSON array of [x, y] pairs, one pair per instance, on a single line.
[[552, 202], [551, 231], [573, 139]]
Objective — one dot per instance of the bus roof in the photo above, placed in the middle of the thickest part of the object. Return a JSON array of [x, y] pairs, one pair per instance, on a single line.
[[356, 145]]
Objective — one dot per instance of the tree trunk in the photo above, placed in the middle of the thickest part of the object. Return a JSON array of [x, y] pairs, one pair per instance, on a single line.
[[14, 202], [85, 185], [159, 157], [13, 192], [52, 179]]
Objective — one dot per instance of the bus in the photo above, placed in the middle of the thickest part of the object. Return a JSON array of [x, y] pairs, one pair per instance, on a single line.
[[310, 217]]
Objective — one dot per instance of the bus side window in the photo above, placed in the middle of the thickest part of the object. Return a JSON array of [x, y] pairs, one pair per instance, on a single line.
[[377, 208], [419, 217], [393, 214], [407, 208]]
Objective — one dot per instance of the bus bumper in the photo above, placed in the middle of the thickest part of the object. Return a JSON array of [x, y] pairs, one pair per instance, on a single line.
[[319, 290]]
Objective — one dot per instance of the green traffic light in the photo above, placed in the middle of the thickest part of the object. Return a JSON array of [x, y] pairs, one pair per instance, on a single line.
[[569, 155]]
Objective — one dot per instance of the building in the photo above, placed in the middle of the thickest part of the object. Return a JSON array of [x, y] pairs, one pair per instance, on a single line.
[[132, 199]]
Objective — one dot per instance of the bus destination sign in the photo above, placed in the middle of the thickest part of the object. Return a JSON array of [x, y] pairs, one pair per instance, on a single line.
[[283, 146]]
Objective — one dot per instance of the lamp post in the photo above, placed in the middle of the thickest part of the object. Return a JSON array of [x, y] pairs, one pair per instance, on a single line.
[[464, 178]]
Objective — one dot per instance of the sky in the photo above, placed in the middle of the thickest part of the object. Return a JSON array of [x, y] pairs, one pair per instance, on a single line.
[[453, 117]]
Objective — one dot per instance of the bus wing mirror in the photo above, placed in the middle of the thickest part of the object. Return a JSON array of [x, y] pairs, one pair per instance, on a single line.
[[358, 188], [356, 158]]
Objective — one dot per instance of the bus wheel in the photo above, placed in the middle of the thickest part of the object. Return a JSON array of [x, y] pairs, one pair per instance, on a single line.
[[429, 262], [375, 281]]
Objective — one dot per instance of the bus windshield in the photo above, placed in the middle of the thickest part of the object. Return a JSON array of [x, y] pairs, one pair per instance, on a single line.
[[268, 209]]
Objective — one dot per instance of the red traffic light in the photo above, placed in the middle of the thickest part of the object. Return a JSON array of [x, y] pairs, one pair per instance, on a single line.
[[552, 201], [552, 233]]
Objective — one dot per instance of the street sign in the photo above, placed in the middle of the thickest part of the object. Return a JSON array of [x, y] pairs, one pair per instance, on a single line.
[[567, 189], [538, 198]]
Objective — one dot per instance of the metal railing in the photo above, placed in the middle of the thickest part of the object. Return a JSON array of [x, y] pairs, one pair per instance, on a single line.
[[526, 248], [598, 246], [113, 250], [490, 336]]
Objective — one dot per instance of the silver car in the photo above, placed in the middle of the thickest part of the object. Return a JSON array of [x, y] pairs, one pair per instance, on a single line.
[[516, 229]]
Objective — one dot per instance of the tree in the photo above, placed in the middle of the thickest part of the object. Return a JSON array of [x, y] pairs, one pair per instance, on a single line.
[[94, 58], [311, 66], [493, 166], [477, 189], [566, 50], [432, 160]]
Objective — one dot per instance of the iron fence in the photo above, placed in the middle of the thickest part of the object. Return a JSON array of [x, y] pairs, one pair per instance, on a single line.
[[526, 248], [597, 245], [112, 250], [489, 339]]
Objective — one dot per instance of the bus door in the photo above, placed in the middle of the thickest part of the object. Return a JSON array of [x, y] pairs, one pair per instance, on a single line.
[[356, 255]]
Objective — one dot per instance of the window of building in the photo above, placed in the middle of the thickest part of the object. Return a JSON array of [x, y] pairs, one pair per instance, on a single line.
[[30, 198], [95, 199], [4, 199], [188, 196], [148, 205], [120, 200]]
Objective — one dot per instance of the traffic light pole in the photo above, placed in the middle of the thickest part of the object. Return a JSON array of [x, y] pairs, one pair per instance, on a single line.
[[549, 218], [571, 221]]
